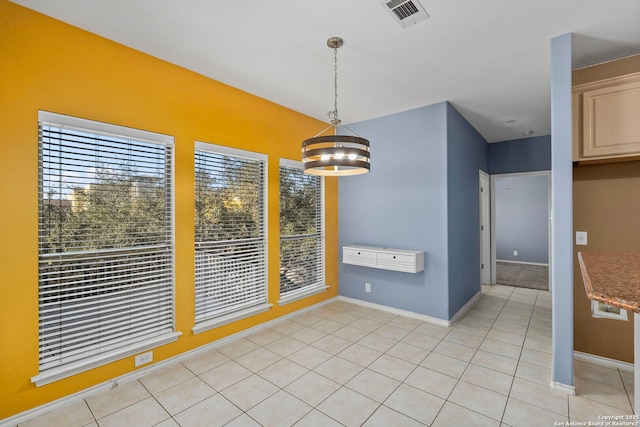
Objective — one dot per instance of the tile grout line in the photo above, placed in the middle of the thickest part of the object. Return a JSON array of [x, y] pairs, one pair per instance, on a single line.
[[380, 404], [351, 343], [513, 377], [95, 420], [332, 356], [458, 380], [158, 402], [501, 421], [520, 356]]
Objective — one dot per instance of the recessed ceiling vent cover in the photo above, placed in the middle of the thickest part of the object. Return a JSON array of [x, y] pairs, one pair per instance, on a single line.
[[406, 12]]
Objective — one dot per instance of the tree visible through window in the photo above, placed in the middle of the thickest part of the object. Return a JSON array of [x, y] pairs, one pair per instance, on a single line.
[[301, 231], [102, 208], [230, 233], [105, 239]]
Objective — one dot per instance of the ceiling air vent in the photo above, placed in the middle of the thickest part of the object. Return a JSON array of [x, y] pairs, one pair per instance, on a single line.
[[406, 12]]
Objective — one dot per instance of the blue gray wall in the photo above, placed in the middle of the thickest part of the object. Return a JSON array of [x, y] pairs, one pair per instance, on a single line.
[[406, 202], [401, 203], [522, 212], [520, 155], [467, 153], [562, 215]]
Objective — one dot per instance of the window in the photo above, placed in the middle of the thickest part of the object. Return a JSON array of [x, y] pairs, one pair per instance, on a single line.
[[230, 235], [106, 279], [301, 233]]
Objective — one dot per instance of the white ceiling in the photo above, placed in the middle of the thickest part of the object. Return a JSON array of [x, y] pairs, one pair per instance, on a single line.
[[489, 58]]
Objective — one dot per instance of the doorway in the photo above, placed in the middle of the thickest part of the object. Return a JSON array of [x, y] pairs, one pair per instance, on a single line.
[[520, 241]]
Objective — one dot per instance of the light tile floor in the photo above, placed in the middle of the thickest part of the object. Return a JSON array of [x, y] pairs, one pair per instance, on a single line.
[[346, 365]]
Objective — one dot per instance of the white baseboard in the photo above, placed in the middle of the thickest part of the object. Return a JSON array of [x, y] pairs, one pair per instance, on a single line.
[[465, 308], [138, 373], [594, 360], [406, 313], [603, 361], [568, 389], [423, 317], [508, 261]]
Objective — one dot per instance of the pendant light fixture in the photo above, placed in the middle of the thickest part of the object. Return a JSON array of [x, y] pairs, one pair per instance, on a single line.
[[335, 154]]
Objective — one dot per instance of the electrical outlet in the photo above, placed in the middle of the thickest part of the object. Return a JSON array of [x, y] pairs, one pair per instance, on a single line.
[[367, 287], [515, 253], [581, 238], [144, 358]]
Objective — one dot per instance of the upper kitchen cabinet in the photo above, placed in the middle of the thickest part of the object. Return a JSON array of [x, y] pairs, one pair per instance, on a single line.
[[606, 112]]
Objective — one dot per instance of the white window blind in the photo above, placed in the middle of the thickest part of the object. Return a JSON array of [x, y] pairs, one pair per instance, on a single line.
[[230, 233], [301, 232], [106, 279]]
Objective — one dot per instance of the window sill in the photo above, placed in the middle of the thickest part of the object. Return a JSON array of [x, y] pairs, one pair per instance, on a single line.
[[64, 371], [302, 293], [230, 318]]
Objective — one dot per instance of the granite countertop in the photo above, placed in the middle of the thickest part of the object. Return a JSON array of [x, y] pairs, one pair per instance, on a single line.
[[612, 278]]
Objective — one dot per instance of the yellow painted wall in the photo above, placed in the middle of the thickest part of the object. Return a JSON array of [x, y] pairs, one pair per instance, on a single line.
[[48, 65]]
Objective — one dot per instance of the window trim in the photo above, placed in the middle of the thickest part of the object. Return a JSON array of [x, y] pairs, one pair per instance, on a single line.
[[320, 287], [231, 317], [69, 369], [106, 128], [61, 372]]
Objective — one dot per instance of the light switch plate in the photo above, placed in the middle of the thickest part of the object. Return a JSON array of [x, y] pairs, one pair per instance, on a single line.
[[581, 238]]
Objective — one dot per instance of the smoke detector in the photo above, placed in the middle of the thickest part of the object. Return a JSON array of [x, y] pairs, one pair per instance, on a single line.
[[406, 12]]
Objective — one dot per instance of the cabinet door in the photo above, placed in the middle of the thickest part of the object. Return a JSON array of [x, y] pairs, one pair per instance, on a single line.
[[611, 120]]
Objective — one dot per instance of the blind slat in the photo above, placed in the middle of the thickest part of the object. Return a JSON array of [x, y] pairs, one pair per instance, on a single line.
[[301, 230], [105, 240], [230, 239]]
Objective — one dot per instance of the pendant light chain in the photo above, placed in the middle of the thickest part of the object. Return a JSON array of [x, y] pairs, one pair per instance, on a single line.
[[335, 120]]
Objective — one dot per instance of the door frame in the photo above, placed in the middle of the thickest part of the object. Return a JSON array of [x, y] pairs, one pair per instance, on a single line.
[[546, 173], [484, 190]]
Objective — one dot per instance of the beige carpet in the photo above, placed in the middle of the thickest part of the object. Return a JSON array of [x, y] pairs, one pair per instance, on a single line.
[[523, 275]]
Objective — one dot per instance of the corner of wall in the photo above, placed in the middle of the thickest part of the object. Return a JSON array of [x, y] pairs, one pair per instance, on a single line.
[[467, 153], [403, 199]]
